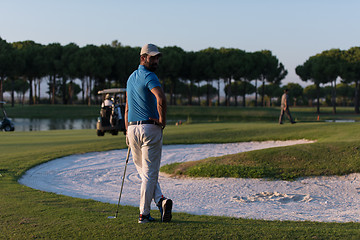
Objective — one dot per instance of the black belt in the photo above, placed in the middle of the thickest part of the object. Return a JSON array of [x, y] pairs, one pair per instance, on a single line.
[[143, 122]]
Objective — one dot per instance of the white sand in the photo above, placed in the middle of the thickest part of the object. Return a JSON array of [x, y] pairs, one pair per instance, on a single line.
[[98, 176]]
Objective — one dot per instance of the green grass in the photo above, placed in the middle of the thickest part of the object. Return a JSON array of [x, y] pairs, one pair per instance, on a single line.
[[193, 114], [26, 213], [263, 114], [336, 151]]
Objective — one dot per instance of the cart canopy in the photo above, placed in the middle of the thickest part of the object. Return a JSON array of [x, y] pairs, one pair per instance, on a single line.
[[112, 90]]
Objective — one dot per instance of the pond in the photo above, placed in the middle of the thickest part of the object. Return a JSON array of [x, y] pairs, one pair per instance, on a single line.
[[27, 124], [37, 124], [341, 120]]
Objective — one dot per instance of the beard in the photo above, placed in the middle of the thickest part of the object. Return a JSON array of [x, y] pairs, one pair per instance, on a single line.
[[151, 66]]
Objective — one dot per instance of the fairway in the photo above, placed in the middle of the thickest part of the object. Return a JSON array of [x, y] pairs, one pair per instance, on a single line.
[[336, 152]]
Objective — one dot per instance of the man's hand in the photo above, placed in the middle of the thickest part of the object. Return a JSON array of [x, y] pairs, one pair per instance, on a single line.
[[162, 125]]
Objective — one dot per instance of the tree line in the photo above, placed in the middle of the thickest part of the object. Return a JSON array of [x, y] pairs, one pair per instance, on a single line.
[[187, 77], [23, 65], [330, 65]]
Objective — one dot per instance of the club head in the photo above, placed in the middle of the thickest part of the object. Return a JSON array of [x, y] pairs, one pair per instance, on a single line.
[[111, 217]]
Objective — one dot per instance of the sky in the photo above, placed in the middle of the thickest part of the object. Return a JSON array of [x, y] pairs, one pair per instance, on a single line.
[[293, 30]]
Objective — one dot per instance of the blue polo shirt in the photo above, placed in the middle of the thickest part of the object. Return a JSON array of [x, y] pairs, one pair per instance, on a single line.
[[141, 102]]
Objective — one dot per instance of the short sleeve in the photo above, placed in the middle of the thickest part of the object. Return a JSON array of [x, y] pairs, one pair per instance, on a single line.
[[152, 81]]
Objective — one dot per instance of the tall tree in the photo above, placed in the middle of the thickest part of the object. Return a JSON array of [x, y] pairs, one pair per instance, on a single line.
[[119, 68], [313, 70], [228, 65], [31, 54], [171, 68], [6, 63], [70, 70], [238, 67], [188, 73], [199, 71], [89, 68], [250, 71], [53, 54], [271, 71], [351, 72], [330, 66], [105, 61]]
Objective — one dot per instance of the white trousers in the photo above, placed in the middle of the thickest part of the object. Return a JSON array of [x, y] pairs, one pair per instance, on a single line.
[[146, 145]]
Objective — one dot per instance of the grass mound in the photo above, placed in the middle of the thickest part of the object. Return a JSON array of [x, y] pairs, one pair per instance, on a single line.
[[286, 163], [337, 152]]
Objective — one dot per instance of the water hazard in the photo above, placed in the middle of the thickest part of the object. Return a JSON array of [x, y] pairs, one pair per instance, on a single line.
[[27, 124]]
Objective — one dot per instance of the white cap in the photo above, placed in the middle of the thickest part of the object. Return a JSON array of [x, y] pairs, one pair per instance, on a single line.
[[150, 49]]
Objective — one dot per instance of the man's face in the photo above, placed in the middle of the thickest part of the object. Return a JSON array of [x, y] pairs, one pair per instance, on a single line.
[[151, 62]]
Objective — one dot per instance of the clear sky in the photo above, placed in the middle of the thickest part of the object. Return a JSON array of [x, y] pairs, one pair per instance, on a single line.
[[293, 30]]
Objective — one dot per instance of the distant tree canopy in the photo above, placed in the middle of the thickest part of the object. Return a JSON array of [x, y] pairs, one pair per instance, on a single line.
[[187, 77], [182, 74], [326, 68]]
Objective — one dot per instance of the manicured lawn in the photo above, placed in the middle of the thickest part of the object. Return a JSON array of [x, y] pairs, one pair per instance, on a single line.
[[192, 114], [26, 213]]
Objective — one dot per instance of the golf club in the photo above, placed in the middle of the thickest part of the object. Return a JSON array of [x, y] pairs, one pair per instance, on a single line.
[[122, 184]]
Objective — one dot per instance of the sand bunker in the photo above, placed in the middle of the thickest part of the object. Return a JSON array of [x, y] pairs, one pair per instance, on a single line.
[[98, 176]]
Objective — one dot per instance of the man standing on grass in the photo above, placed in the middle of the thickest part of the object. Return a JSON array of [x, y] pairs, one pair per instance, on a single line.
[[145, 119], [285, 107]]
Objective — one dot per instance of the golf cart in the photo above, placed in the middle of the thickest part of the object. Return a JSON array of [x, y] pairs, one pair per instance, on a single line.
[[112, 112], [6, 125]]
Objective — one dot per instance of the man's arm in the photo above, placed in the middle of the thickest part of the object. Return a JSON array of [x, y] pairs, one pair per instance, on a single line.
[[161, 105]]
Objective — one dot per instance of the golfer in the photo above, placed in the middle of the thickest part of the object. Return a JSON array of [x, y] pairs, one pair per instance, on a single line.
[[145, 119], [107, 102], [285, 107]]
